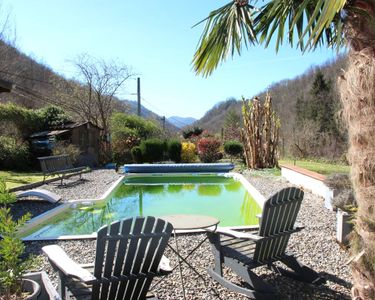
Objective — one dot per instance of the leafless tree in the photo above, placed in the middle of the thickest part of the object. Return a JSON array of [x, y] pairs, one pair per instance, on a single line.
[[91, 95], [101, 80]]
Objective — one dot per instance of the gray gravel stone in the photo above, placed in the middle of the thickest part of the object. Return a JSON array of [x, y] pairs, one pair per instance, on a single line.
[[93, 185], [315, 246]]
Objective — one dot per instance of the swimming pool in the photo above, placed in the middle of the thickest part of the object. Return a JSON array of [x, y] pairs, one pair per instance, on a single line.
[[224, 196]]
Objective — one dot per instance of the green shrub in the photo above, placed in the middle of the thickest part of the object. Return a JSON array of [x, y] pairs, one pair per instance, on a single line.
[[122, 157], [123, 126], [137, 154], [28, 121], [121, 149], [12, 264], [13, 155], [174, 150], [25, 120], [209, 150], [152, 150], [127, 132], [233, 148], [192, 132], [52, 116], [344, 195]]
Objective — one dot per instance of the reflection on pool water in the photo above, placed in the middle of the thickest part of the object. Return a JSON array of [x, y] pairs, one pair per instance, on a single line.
[[219, 196]]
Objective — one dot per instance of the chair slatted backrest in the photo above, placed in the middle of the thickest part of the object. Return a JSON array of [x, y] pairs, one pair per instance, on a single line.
[[128, 254], [278, 218], [50, 164]]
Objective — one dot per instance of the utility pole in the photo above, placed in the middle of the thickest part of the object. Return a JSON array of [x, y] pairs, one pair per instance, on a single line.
[[163, 120], [139, 96]]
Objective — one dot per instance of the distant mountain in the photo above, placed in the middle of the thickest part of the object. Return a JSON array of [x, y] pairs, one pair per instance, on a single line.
[[180, 122], [213, 120]]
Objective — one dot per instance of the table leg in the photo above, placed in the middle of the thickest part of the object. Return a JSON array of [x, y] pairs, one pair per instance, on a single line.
[[179, 263], [183, 259]]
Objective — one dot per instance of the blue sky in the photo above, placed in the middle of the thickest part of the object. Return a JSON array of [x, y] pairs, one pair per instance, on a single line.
[[157, 40]]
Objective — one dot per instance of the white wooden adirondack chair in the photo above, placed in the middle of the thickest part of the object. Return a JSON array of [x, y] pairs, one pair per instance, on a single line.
[[128, 255]]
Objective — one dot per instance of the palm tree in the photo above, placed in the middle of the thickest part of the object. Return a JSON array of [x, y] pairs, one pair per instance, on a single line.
[[308, 24]]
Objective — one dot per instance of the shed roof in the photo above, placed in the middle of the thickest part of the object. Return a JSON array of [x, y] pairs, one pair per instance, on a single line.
[[65, 128], [79, 124], [48, 133]]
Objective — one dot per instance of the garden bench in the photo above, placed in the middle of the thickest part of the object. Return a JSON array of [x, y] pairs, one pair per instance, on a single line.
[[60, 165]]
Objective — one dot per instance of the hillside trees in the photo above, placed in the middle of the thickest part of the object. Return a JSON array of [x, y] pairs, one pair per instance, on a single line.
[[213, 119], [285, 94], [232, 125], [309, 24], [316, 132]]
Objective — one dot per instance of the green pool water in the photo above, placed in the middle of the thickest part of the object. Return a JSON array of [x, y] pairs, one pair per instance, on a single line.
[[222, 197]]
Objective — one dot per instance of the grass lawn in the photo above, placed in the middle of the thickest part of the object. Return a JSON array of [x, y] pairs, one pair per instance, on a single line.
[[14, 179], [319, 167]]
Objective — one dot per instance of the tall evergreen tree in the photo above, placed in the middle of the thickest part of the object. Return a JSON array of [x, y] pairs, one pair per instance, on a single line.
[[232, 126], [321, 105], [300, 110]]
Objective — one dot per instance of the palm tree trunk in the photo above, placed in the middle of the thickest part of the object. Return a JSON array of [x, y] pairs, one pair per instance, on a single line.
[[357, 88]]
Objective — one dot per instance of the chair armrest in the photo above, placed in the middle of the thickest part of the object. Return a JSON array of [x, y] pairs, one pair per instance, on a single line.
[[65, 264], [238, 234], [164, 265]]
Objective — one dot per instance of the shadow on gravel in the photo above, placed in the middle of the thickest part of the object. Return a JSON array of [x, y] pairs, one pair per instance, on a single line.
[[69, 184], [296, 290], [337, 280], [34, 207]]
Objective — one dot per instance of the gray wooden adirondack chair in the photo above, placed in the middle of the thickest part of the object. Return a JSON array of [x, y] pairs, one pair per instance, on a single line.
[[128, 257], [243, 251]]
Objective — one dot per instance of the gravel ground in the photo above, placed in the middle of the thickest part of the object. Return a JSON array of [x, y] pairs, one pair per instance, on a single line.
[[315, 246], [92, 185]]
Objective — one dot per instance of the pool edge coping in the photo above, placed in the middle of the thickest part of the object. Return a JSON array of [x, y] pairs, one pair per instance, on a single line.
[[60, 209], [258, 197]]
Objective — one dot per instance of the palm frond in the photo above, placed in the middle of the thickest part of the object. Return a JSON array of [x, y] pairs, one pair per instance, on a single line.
[[226, 30], [328, 20], [312, 22], [306, 24]]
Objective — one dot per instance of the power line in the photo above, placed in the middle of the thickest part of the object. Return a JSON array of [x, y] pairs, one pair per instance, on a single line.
[[20, 89], [163, 113], [154, 107], [24, 77]]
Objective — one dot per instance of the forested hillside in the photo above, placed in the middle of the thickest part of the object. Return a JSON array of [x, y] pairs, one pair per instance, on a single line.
[[37, 85], [303, 105]]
